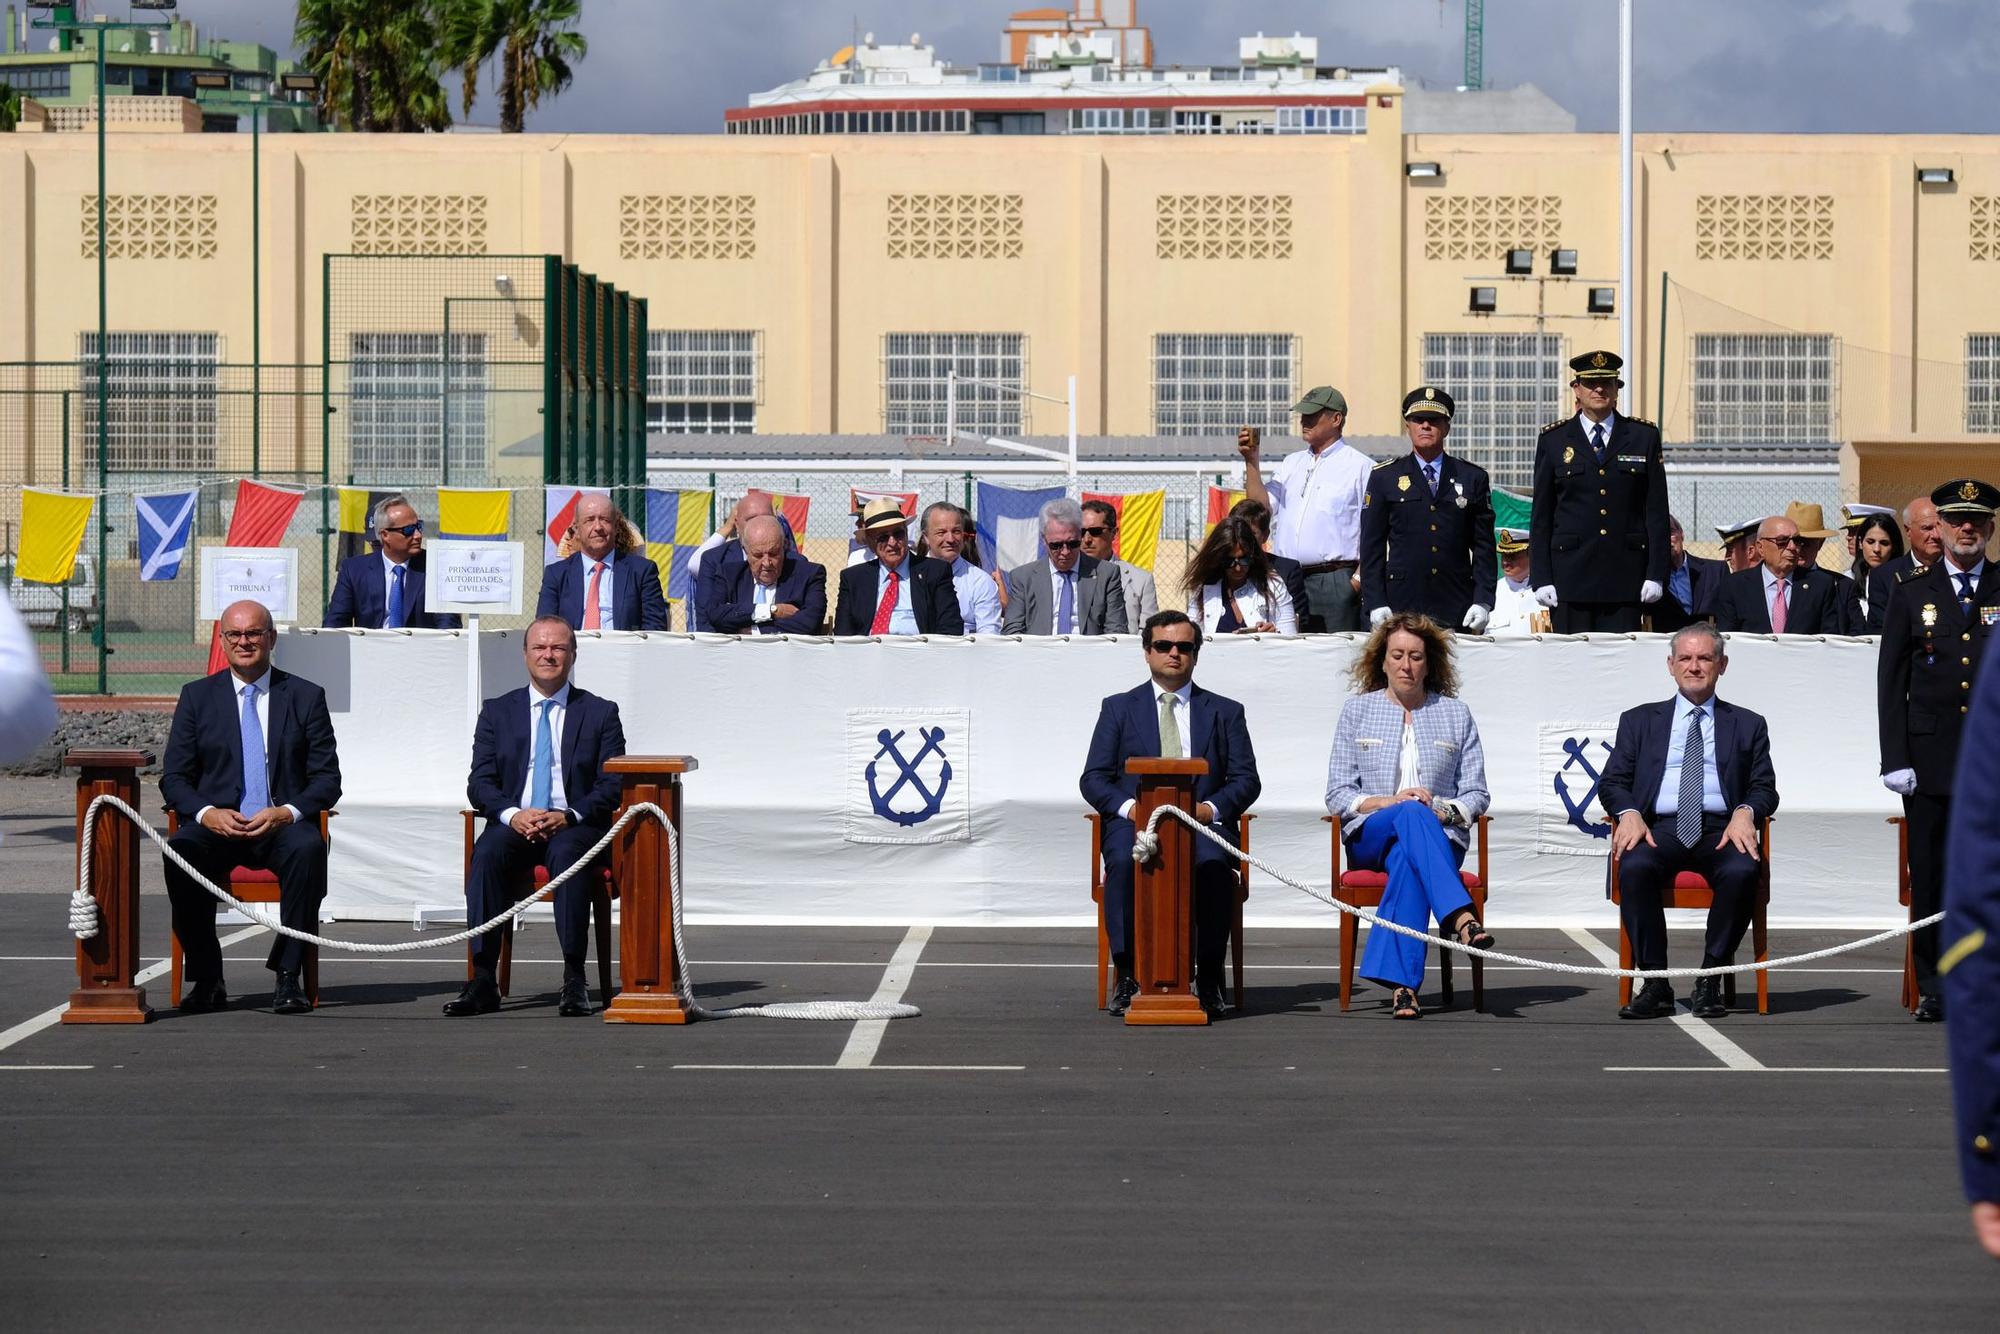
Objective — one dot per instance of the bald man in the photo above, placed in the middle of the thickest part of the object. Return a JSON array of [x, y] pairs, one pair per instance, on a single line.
[[1923, 547], [610, 583], [717, 559], [771, 591]]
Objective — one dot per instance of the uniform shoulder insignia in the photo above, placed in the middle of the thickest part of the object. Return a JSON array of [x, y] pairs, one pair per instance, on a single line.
[[1383, 464], [1643, 422], [1914, 572], [1560, 421]]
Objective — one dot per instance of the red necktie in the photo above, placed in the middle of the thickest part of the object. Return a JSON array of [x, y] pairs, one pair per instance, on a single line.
[[1778, 608], [592, 618], [887, 607]]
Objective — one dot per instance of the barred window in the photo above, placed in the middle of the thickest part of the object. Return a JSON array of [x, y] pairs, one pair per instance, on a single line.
[[992, 373], [1982, 383], [1507, 387], [160, 402], [398, 406], [1210, 384], [702, 381], [1763, 388]]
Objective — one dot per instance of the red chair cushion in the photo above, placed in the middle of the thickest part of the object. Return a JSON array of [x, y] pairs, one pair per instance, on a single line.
[[1380, 879], [1693, 881], [542, 878], [243, 875]]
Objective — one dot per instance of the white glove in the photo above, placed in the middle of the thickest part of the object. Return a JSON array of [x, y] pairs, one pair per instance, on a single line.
[[1476, 617], [1546, 595], [1650, 591], [1902, 782], [1377, 616]]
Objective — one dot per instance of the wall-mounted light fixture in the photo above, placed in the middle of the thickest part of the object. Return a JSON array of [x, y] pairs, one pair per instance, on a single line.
[[1484, 300], [1563, 263], [1603, 301], [1936, 176], [1423, 170]]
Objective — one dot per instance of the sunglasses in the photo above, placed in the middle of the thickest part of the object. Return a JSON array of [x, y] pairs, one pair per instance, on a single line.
[[408, 529], [1096, 532], [1239, 562], [1780, 541], [1186, 646], [1070, 545]]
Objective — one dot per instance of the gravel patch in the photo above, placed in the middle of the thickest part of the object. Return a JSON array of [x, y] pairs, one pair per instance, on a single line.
[[105, 728]]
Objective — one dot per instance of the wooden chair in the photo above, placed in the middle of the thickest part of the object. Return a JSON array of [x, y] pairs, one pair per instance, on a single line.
[[249, 886], [1910, 993], [1364, 889], [1104, 936], [1689, 890], [605, 890]]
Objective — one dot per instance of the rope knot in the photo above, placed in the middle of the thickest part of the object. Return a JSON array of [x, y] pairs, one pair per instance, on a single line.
[[1145, 845], [83, 920]]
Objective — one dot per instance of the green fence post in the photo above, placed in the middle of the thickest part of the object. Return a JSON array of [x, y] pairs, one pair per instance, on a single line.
[[325, 422], [551, 366]]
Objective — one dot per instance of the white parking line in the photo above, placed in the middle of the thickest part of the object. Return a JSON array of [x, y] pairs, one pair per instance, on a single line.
[[866, 1038], [1732, 1056], [27, 1028], [1778, 1070], [852, 1067]]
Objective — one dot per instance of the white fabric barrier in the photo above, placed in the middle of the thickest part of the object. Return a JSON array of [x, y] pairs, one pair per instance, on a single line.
[[785, 731]]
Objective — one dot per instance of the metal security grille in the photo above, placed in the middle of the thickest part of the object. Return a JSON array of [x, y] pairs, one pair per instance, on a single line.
[[1982, 383], [161, 411], [1764, 388], [992, 372], [703, 381], [400, 407], [1210, 384], [1507, 387]]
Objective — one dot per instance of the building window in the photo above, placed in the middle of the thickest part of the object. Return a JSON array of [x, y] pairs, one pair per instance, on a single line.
[[702, 381], [45, 80], [398, 405], [160, 405], [991, 369], [1982, 383], [1507, 387], [1322, 120], [1763, 388], [1210, 384]]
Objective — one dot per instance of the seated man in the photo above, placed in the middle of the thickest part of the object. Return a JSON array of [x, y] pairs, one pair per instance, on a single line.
[[893, 592], [721, 552], [1169, 716], [384, 589], [1100, 543], [948, 536], [1069, 593], [250, 764], [609, 584], [1688, 781], [1692, 582], [538, 777], [1785, 595], [769, 592]]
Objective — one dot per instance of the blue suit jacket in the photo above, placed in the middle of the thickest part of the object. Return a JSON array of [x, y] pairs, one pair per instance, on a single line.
[[636, 599], [503, 747], [1638, 760], [1969, 941], [361, 597], [204, 759], [1128, 726], [800, 582]]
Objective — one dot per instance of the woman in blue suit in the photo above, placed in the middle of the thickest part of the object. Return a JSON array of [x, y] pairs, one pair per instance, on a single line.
[[1407, 780]]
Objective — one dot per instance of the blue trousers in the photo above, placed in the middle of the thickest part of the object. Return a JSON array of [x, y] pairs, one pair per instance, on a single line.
[[1407, 841]]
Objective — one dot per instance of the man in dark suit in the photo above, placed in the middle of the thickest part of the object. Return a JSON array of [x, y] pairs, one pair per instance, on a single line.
[[770, 591], [609, 584], [1290, 571], [1938, 622], [250, 764], [1692, 583], [1598, 533], [719, 558], [1171, 716], [1427, 526], [538, 778], [1782, 596], [384, 588], [1687, 781], [895, 593], [1923, 547]]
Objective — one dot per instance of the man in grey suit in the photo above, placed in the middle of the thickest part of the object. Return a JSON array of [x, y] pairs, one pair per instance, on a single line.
[[1100, 541], [1069, 593]]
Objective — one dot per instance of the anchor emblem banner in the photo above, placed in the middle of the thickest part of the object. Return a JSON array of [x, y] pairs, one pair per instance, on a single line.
[[1569, 821], [909, 776]]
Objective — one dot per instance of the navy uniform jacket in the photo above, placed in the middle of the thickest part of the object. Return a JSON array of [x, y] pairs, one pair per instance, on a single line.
[[1817, 602], [1929, 658], [1638, 760], [1882, 587], [800, 582], [204, 758], [636, 600], [503, 746], [1420, 552], [1969, 942], [361, 596], [933, 597], [1598, 533], [1128, 726]]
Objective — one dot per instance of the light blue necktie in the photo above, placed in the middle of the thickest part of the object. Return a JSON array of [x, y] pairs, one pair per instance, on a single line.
[[394, 620], [256, 787], [538, 795], [1066, 604]]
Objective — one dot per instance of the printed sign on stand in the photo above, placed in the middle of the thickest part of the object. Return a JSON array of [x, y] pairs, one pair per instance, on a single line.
[[472, 577], [266, 575]]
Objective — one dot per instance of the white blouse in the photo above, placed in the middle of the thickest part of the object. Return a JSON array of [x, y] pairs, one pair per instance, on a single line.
[[1206, 608]]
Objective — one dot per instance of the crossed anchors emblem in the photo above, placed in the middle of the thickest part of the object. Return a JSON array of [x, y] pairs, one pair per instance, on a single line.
[[907, 775], [1578, 810]]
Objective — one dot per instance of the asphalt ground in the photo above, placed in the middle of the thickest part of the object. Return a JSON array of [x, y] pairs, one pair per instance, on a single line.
[[1012, 1158]]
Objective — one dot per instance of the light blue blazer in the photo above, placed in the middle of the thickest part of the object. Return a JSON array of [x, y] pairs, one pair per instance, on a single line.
[[1368, 742]]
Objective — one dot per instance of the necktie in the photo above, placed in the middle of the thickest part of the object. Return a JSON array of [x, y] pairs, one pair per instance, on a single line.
[[256, 788], [593, 618], [394, 620], [538, 794], [1431, 476], [1964, 591], [1170, 731], [1597, 441], [1066, 604], [1687, 820], [1778, 616], [887, 606]]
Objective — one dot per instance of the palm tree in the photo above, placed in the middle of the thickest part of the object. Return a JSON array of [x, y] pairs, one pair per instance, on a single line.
[[10, 107], [535, 41], [378, 61]]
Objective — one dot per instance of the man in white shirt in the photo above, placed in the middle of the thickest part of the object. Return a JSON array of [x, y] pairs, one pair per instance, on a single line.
[[1100, 542], [1516, 614], [947, 533], [1315, 496]]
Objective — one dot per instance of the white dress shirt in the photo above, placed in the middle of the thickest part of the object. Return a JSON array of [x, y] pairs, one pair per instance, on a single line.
[[27, 704], [1183, 721], [558, 799], [605, 584], [1668, 803], [1205, 609], [978, 597], [1610, 424], [1316, 503], [1953, 572], [263, 685]]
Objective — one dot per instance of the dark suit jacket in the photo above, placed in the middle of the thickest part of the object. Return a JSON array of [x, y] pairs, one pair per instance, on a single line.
[[1128, 725], [1817, 602], [1926, 664], [1419, 552], [933, 597], [636, 600], [1597, 533], [1882, 587], [800, 582], [1287, 569], [361, 597], [718, 566], [204, 759], [1705, 578], [503, 746], [1639, 760]]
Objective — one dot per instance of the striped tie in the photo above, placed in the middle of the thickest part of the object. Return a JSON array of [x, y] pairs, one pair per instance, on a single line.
[[1687, 820]]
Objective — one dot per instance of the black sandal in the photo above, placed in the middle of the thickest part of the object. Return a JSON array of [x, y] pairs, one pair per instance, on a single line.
[[1472, 932], [1403, 1005]]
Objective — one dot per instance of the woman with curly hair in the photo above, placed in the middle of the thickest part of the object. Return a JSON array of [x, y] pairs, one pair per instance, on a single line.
[[1232, 589]]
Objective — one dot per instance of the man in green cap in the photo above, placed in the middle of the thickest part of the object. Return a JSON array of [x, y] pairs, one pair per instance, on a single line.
[[1315, 497]]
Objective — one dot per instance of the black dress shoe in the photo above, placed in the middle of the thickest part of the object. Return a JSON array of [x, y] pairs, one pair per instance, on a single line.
[[1930, 1010], [1707, 999], [1655, 1000], [205, 998], [290, 997], [575, 1001], [480, 996], [1210, 999], [1122, 994]]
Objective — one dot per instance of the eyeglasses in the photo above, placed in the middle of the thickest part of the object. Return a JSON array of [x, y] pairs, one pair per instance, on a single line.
[[1186, 646], [1070, 545], [892, 535], [408, 529], [1239, 562], [1099, 531], [243, 636], [1781, 541]]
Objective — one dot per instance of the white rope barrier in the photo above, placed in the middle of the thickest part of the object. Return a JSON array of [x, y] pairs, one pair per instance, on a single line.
[[84, 921], [1146, 844]]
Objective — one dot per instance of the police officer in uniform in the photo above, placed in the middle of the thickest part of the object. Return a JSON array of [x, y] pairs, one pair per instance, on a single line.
[[1427, 526], [1598, 533], [1936, 625]]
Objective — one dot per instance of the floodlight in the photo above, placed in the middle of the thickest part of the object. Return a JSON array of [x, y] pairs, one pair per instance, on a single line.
[[298, 83], [1484, 300], [1520, 261], [211, 79], [1563, 263], [156, 4], [1425, 170], [1603, 301], [1936, 175]]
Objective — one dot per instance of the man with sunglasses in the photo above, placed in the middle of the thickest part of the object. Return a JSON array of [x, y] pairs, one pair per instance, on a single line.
[[1069, 593], [1100, 543], [893, 592], [383, 589], [1170, 717], [1782, 595]]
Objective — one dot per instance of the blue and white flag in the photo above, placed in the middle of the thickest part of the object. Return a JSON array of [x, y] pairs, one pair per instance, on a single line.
[[166, 525], [1009, 524]]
